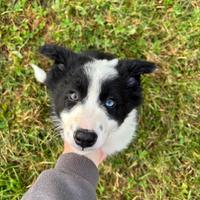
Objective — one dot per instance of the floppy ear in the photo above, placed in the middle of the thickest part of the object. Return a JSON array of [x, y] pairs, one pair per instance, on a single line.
[[132, 69], [61, 57], [58, 54], [64, 60]]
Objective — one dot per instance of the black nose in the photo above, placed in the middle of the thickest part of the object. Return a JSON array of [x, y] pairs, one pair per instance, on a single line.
[[85, 138]]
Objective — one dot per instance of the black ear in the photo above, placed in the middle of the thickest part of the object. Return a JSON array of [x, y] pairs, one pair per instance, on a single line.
[[64, 61], [64, 58], [132, 69], [59, 54], [137, 67]]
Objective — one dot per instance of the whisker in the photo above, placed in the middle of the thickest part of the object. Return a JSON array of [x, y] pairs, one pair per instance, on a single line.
[[57, 124]]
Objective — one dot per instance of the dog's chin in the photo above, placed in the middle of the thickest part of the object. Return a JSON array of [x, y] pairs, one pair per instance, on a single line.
[[82, 151]]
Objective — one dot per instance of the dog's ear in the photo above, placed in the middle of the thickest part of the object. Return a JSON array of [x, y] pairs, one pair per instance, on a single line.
[[131, 70], [60, 55], [64, 60]]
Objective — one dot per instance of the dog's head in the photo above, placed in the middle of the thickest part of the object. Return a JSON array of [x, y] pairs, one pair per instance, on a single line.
[[92, 93]]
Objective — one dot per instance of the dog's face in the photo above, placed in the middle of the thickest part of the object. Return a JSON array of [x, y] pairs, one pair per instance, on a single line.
[[92, 94]]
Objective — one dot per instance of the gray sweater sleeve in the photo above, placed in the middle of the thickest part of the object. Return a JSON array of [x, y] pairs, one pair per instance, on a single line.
[[73, 178]]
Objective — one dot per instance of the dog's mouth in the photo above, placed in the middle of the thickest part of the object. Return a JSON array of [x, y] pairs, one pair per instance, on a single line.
[[83, 149]]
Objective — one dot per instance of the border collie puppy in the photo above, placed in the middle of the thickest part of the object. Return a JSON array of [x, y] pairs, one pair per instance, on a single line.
[[94, 97]]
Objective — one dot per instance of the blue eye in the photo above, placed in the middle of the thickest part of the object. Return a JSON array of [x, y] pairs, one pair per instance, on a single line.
[[110, 103]]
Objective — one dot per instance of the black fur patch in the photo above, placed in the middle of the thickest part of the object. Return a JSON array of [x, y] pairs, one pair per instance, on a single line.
[[74, 81], [65, 76], [123, 90], [126, 98]]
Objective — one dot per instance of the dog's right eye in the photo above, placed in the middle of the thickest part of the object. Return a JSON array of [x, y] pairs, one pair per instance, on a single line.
[[73, 96]]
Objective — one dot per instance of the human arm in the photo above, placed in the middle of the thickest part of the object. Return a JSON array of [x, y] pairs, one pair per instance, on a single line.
[[74, 177]]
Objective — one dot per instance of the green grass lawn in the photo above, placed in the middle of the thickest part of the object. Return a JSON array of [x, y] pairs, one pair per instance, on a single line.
[[163, 162]]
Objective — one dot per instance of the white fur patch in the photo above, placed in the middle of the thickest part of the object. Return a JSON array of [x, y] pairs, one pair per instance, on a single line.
[[98, 71], [40, 74], [112, 138], [121, 138]]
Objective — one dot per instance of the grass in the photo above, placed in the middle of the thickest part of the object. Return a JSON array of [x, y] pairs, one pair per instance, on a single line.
[[163, 162]]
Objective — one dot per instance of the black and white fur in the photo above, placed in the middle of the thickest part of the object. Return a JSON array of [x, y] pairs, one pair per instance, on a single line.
[[96, 92]]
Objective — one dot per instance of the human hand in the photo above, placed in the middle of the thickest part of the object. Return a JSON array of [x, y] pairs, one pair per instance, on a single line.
[[96, 156]]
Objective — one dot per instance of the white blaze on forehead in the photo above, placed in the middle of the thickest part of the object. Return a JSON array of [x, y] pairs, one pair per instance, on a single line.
[[98, 71]]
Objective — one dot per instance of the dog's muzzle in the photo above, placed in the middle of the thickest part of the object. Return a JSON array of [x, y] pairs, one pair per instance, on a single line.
[[85, 138]]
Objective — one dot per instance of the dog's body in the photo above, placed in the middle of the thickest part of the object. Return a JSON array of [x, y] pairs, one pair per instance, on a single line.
[[94, 97]]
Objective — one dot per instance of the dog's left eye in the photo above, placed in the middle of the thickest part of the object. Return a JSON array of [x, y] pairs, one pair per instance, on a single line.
[[110, 103], [73, 96]]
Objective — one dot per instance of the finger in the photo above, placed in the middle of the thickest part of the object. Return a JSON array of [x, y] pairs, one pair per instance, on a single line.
[[68, 148], [102, 155]]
